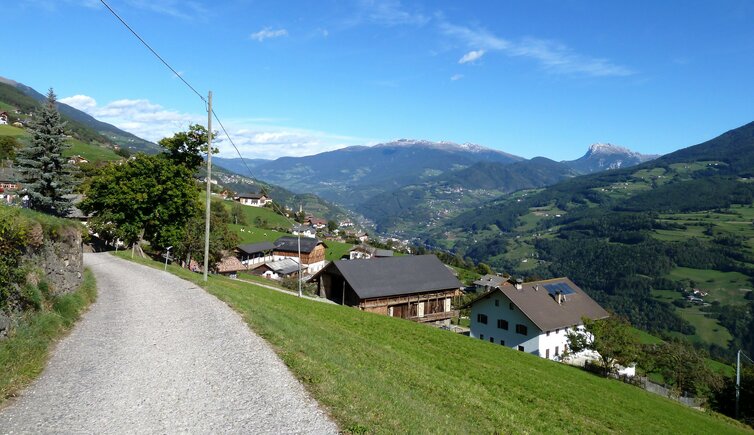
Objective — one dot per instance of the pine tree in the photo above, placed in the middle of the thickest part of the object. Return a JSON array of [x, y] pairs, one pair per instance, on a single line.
[[47, 175]]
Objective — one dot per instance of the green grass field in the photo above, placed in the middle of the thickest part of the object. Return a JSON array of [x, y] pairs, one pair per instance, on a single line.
[[252, 214], [24, 353], [91, 152], [708, 330], [9, 130], [376, 374], [726, 287], [254, 235]]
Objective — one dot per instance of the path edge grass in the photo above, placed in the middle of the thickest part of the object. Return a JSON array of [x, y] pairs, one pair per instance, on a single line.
[[24, 353], [296, 361]]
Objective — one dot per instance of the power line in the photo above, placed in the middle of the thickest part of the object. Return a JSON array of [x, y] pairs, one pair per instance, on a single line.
[[248, 169], [211, 113], [153, 51]]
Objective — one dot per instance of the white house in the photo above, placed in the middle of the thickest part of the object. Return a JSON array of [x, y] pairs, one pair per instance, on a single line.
[[532, 317], [312, 251], [3, 118], [254, 199], [304, 230]]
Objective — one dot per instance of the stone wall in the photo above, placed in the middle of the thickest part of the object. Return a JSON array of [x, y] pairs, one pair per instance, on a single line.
[[60, 261], [57, 260]]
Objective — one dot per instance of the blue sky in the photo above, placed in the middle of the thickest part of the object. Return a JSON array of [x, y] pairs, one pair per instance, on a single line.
[[295, 78]]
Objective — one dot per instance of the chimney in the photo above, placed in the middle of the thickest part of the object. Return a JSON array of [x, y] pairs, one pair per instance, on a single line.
[[519, 284], [560, 298], [536, 287]]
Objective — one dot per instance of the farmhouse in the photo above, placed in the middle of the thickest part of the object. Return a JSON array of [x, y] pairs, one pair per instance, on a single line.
[[312, 252], [418, 288], [489, 282], [251, 254], [304, 230], [532, 317], [366, 252], [254, 199], [8, 179], [3, 118], [277, 269]]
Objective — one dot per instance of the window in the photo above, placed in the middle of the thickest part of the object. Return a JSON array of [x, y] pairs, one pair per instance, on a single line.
[[547, 353], [481, 318], [502, 324], [492, 339], [502, 342], [511, 306], [548, 333], [497, 302], [522, 329], [481, 336], [556, 351], [557, 331], [521, 348]]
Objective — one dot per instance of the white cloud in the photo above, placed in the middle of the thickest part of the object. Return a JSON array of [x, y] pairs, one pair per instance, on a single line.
[[257, 137], [140, 117], [456, 77], [392, 13], [268, 33], [551, 55], [471, 56], [270, 142]]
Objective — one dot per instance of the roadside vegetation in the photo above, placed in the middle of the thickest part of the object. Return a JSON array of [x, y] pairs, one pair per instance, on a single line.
[[24, 353], [377, 374]]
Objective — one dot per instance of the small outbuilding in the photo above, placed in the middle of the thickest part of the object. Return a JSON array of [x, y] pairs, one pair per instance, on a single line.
[[418, 288]]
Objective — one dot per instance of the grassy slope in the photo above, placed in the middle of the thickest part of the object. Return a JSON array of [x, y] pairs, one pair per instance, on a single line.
[[252, 234], [88, 151], [24, 354], [385, 375]]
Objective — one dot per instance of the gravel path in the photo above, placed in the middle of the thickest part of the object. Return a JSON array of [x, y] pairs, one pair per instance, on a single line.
[[156, 354]]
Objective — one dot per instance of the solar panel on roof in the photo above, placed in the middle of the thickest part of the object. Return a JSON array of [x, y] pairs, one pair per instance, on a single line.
[[559, 287]]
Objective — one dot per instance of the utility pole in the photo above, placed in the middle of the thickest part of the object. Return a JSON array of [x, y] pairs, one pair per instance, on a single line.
[[209, 184], [299, 264], [738, 379]]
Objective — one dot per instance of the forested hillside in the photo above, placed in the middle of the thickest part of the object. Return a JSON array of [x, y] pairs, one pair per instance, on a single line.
[[637, 238]]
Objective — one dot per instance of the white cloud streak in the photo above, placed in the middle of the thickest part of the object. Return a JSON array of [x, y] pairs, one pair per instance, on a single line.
[[456, 77], [268, 33], [255, 137], [471, 56], [553, 56]]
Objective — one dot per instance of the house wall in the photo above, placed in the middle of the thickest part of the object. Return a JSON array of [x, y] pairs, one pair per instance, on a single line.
[[514, 316], [314, 261], [556, 339]]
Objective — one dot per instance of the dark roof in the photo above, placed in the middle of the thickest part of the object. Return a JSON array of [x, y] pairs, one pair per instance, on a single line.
[[391, 276], [253, 248], [290, 244], [285, 266], [490, 280], [538, 301], [251, 195]]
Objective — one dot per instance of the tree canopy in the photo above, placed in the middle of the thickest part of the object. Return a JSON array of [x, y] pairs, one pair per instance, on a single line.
[[186, 147], [613, 338], [148, 196]]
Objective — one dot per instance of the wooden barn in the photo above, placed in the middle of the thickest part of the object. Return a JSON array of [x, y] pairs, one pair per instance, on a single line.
[[418, 288]]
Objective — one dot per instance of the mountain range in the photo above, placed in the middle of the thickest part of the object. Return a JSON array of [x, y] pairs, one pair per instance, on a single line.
[[404, 183]]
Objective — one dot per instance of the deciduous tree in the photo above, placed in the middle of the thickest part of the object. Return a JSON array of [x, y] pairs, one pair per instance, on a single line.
[[613, 338], [149, 195]]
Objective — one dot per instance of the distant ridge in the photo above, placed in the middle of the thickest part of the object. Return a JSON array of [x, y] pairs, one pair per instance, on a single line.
[[606, 156], [117, 136]]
